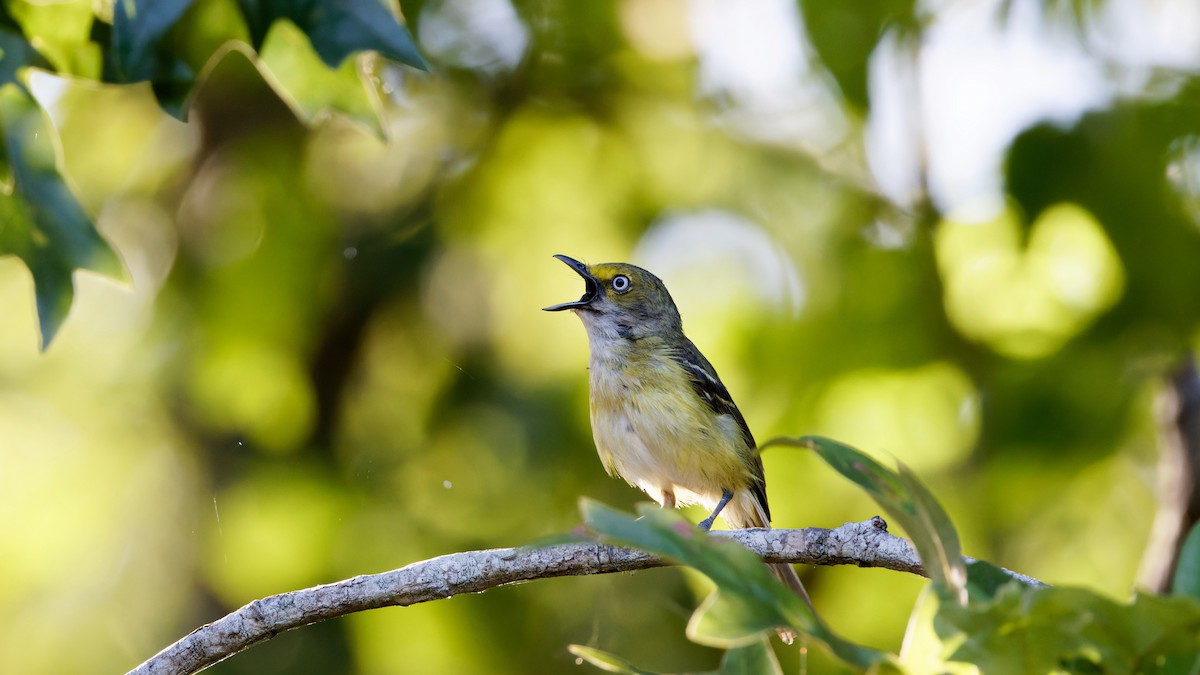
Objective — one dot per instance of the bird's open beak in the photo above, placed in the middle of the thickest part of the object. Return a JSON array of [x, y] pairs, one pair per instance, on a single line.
[[589, 289]]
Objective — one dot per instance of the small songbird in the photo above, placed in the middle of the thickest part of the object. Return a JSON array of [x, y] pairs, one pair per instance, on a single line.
[[661, 418]]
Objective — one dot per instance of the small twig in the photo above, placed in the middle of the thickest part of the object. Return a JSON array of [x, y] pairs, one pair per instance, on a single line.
[[865, 544]]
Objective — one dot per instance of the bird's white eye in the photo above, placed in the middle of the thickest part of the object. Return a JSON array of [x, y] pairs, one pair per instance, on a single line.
[[621, 283]]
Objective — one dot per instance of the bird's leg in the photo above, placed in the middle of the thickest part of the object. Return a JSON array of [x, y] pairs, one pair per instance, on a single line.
[[707, 523]]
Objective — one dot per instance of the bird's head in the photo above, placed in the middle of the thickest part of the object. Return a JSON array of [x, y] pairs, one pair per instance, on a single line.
[[621, 300]]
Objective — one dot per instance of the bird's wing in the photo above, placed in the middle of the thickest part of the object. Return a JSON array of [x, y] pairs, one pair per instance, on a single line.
[[712, 391]]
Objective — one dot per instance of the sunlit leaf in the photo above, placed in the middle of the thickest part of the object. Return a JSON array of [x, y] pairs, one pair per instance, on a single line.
[[312, 88], [1187, 568], [906, 500], [748, 600], [337, 29], [755, 658], [62, 32], [43, 223], [609, 663]]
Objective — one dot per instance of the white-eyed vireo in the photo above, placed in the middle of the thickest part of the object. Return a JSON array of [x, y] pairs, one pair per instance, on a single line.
[[661, 417]]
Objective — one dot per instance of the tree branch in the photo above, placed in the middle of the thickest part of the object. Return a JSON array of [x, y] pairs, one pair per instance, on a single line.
[[1178, 475], [865, 544]]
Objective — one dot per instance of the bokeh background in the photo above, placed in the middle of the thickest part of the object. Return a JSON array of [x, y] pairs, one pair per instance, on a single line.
[[959, 235]]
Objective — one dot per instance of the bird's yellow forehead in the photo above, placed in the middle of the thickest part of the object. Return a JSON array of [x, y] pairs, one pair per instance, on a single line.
[[606, 271]]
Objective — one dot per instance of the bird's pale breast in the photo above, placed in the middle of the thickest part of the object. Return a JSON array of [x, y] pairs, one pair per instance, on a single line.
[[652, 430]]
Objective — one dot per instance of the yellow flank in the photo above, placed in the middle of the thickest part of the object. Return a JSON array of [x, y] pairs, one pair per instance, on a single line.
[[652, 430]]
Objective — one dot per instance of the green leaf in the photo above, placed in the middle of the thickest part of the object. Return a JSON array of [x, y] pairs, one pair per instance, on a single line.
[[755, 658], [62, 32], [984, 580], [749, 599], [41, 222], [1026, 630], [1187, 568], [846, 34], [310, 87], [906, 500], [138, 27], [137, 52], [937, 535], [16, 53], [337, 29], [730, 619], [605, 661]]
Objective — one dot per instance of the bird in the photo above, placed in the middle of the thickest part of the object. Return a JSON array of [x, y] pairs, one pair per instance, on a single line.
[[661, 417]]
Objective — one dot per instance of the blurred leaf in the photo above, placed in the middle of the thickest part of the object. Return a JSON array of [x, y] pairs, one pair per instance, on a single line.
[[411, 10], [139, 47], [757, 601], [755, 658], [748, 600], [138, 27], [62, 32], [937, 533], [309, 86], [845, 35], [906, 500], [337, 29], [135, 52], [984, 580], [1025, 630], [610, 663], [1187, 568], [17, 53], [43, 223]]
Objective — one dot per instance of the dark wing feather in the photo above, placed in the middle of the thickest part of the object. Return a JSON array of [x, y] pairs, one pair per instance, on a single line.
[[713, 392]]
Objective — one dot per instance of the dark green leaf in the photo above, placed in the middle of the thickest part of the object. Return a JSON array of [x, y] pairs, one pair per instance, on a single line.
[[984, 580], [845, 35], [411, 9], [138, 27], [1187, 568], [16, 53], [6, 19], [43, 223], [748, 599], [337, 29], [137, 52], [756, 658], [906, 500], [1024, 630], [935, 534]]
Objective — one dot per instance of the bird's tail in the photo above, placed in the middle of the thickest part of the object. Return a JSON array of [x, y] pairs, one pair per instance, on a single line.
[[744, 512]]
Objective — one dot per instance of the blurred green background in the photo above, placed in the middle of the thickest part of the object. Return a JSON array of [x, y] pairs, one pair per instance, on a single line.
[[961, 236]]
